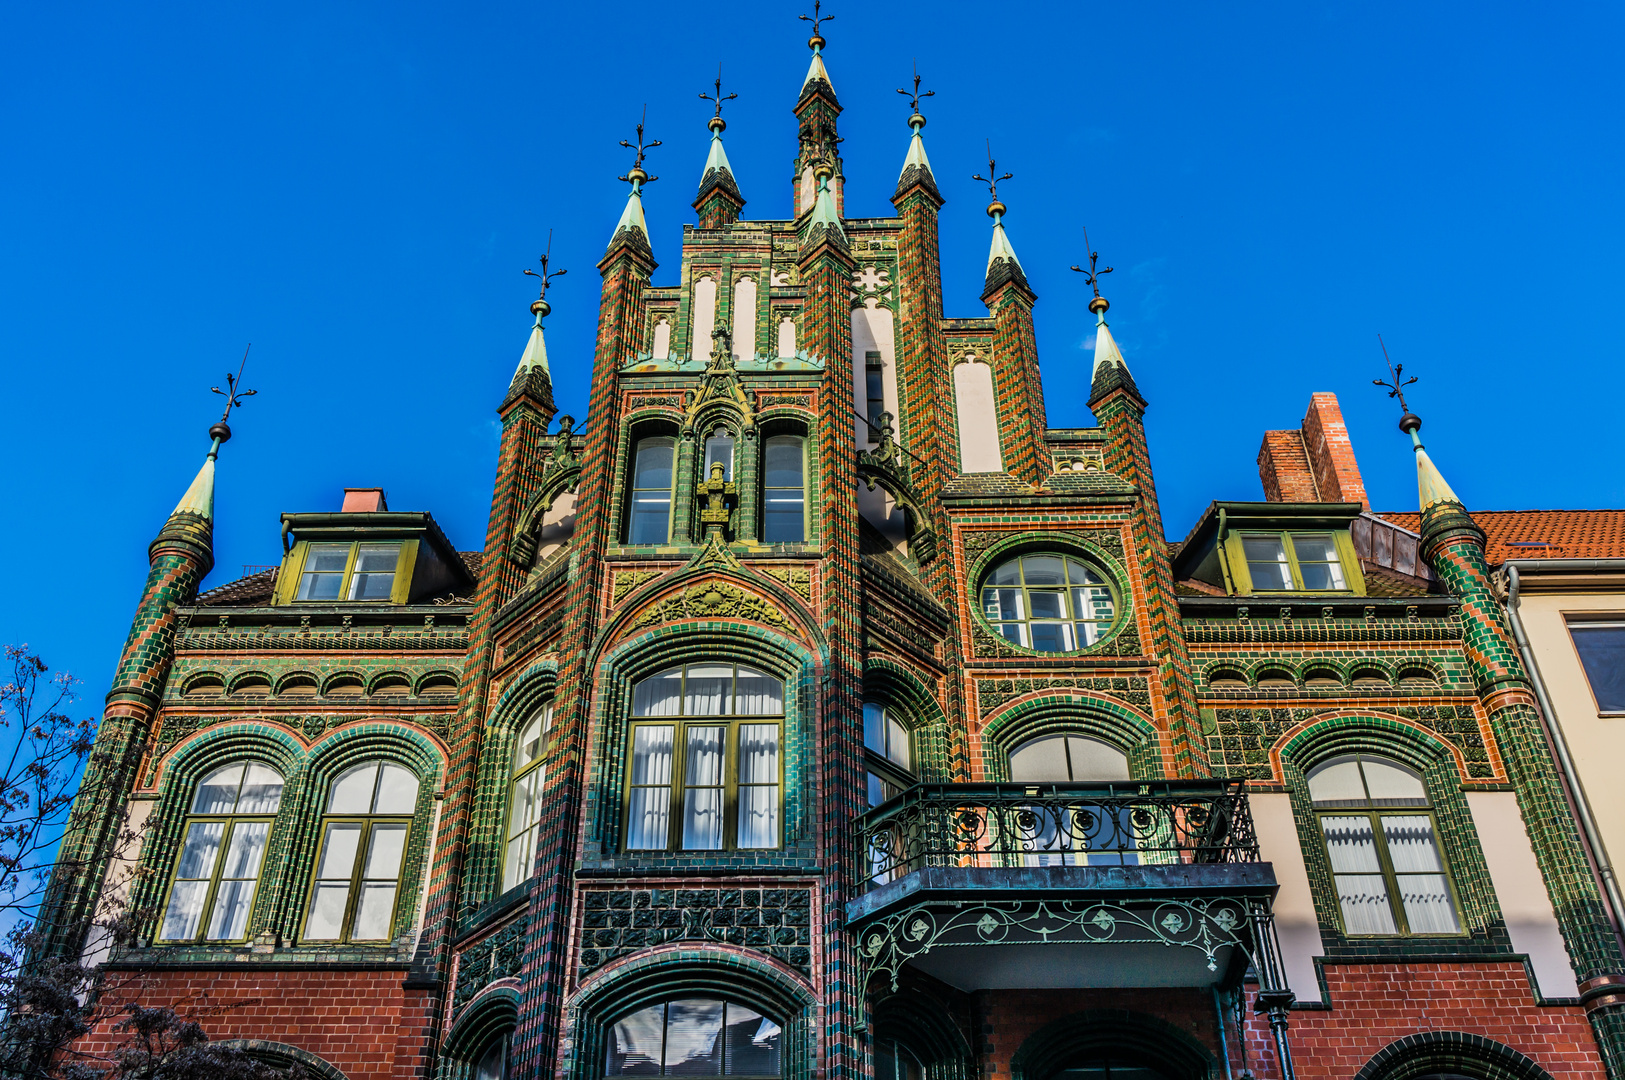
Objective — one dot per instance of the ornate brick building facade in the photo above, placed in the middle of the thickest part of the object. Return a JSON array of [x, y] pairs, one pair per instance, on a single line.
[[814, 709]]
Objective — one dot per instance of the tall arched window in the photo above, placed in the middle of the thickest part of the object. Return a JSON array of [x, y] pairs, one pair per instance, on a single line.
[[231, 815], [1383, 845], [705, 750], [695, 1037], [492, 1063], [719, 448], [358, 867], [649, 520], [525, 798], [784, 489], [1074, 834]]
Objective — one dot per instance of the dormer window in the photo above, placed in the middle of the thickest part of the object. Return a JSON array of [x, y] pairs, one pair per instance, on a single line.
[[1293, 562], [349, 572]]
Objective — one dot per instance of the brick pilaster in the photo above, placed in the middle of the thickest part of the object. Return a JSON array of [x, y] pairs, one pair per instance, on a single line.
[[1018, 391]]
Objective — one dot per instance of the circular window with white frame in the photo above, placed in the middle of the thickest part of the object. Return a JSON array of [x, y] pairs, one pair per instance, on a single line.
[[1048, 603]]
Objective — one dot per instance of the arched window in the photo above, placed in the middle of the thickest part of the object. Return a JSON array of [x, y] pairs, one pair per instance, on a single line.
[[1064, 833], [525, 798], [1383, 845], [492, 1063], [784, 489], [705, 750], [231, 816], [894, 1061], [886, 748], [719, 449], [358, 867], [649, 520], [695, 1037]]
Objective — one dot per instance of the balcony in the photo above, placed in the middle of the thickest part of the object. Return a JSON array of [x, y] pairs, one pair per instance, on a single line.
[[988, 886]]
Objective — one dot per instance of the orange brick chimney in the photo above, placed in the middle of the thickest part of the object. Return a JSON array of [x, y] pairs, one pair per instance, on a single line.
[[363, 501], [1314, 463]]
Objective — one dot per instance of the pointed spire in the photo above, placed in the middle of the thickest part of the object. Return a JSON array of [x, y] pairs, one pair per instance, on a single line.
[[1002, 264], [1110, 370], [533, 376], [719, 200], [1431, 488], [825, 220], [916, 166], [632, 230], [817, 80], [199, 498]]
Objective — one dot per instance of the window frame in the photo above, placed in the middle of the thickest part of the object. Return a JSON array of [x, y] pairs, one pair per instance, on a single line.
[[632, 489], [664, 1004], [1108, 627], [369, 822], [880, 765], [680, 723], [1373, 811], [766, 500], [874, 392], [1571, 624], [536, 764], [288, 585], [1348, 561], [231, 821]]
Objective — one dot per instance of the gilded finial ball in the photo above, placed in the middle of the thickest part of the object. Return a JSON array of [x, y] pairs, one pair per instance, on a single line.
[[1098, 305], [220, 431], [916, 121], [816, 43], [1410, 422], [637, 175], [995, 209], [717, 124], [823, 170], [542, 308]]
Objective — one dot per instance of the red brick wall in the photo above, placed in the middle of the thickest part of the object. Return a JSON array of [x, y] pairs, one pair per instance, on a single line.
[[1375, 1004], [363, 1022], [1314, 463], [1283, 466]]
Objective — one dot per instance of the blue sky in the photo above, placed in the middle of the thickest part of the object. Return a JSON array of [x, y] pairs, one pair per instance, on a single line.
[[355, 188]]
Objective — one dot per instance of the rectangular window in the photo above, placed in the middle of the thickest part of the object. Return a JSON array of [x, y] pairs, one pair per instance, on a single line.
[[784, 489], [649, 521], [1602, 653], [357, 874], [702, 789], [339, 572], [758, 785], [1294, 562], [874, 391]]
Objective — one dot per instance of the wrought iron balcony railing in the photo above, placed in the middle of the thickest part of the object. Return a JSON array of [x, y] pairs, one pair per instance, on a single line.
[[1087, 824]]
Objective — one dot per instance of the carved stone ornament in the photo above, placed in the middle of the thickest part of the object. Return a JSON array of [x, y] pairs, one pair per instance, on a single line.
[[711, 600], [628, 582], [795, 578]]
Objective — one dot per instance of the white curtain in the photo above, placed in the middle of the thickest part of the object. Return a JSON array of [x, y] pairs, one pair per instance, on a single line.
[[238, 877], [1423, 891], [659, 695], [650, 804], [1361, 891], [186, 898], [710, 690], [759, 694], [759, 785], [702, 789]]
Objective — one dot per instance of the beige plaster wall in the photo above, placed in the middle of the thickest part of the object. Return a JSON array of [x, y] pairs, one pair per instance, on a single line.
[[1295, 921]]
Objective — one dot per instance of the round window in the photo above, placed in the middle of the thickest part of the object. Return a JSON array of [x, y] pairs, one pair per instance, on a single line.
[[1050, 603]]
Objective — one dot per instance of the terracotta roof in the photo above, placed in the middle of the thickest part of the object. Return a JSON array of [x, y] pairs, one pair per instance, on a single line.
[[1542, 534], [472, 560]]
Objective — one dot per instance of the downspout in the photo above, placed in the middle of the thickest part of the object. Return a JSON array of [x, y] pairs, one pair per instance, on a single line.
[[1224, 1039], [1565, 762], [1224, 555]]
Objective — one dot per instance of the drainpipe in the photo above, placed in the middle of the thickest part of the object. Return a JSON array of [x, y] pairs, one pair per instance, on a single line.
[[1554, 731], [1224, 1039], [1224, 556]]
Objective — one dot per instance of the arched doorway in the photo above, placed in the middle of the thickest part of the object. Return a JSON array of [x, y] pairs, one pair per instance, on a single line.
[[1112, 1044]]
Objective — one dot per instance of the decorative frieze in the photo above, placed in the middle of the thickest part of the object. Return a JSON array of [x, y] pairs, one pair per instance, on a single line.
[[497, 956], [711, 600], [776, 922]]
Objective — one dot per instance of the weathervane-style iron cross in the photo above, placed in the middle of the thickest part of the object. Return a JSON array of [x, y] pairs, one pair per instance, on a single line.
[[817, 20], [992, 167], [637, 173], [546, 275], [234, 393], [1396, 389], [915, 95], [719, 98], [1090, 274]]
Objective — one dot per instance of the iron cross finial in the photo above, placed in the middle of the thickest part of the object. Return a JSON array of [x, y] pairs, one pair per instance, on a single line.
[[1090, 275], [817, 20], [637, 172], [990, 180], [719, 99], [234, 393], [1396, 389], [546, 275], [915, 95]]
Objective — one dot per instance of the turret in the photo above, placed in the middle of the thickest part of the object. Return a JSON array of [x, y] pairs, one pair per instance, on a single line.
[[719, 201], [817, 110], [1018, 391]]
